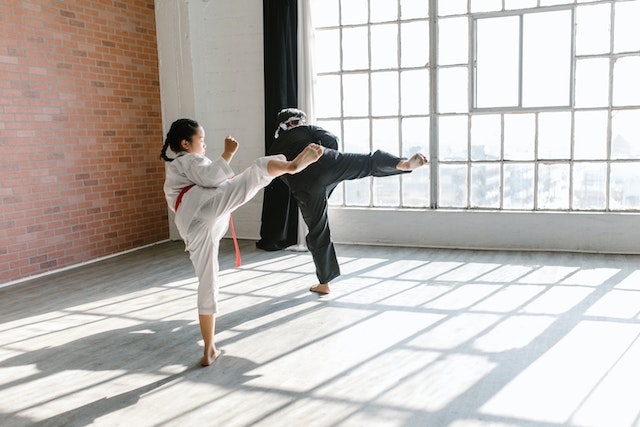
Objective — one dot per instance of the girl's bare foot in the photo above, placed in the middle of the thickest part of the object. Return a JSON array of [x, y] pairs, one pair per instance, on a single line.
[[210, 356], [413, 162], [322, 288], [310, 154]]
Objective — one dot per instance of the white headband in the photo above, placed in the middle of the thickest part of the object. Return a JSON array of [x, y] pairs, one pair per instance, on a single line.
[[286, 125]]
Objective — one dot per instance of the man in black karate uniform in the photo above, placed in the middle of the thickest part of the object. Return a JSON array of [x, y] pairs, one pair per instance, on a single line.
[[312, 187]]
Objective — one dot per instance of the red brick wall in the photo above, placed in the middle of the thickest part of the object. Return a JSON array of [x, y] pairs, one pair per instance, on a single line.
[[80, 133]]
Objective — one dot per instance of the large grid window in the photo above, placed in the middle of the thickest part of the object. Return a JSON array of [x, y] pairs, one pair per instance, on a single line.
[[520, 104]]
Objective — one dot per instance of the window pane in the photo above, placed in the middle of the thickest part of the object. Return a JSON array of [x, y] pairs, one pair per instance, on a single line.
[[593, 30], [626, 30], [333, 126], [386, 191], [452, 132], [626, 90], [554, 135], [411, 9], [416, 185], [485, 5], [337, 197], [518, 186], [485, 137], [327, 50], [415, 136], [358, 192], [625, 135], [384, 94], [325, 13], [519, 4], [452, 186], [554, 2], [453, 90], [384, 46], [355, 89], [415, 188], [356, 140], [327, 96], [453, 43], [354, 11], [553, 186], [590, 140], [383, 10], [355, 48], [497, 61], [415, 92], [546, 59], [356, 136], [589, 186], [414, 44], [485, 185], [452, 7], [385, 135], [625, 186], [592, 82], [519, 136]]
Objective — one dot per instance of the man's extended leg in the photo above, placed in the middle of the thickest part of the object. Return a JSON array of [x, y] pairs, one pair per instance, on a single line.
[[348, 166], [312, 191]]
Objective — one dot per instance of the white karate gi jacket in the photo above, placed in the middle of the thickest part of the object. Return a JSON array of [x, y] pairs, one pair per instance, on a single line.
[[202, 218]]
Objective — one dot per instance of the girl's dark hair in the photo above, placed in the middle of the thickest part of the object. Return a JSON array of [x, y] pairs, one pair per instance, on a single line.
[[180, 129]]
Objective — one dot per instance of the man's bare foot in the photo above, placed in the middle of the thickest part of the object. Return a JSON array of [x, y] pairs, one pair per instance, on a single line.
[[310, 154], [210, 356], [322, 288], [413, 162]]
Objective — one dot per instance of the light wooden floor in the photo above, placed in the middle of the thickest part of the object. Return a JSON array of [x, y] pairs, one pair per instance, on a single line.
[[409, 337]]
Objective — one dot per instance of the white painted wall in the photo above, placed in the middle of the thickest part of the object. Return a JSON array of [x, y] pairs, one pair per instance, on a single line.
[[550, 231], [211, 68]]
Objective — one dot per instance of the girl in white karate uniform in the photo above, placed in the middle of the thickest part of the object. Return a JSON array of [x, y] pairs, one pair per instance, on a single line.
[[203, 193]]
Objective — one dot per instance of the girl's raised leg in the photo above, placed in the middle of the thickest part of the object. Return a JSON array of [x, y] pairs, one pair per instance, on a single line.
[[310, 154]]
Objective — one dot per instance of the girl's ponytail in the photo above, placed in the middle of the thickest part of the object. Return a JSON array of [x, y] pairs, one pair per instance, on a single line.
[[163, 153]]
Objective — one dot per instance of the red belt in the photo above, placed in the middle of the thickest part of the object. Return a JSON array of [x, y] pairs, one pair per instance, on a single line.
[[182, 193], [233, 231]]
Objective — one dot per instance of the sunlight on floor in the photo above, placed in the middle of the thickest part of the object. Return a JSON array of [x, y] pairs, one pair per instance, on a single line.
[[424, 338]]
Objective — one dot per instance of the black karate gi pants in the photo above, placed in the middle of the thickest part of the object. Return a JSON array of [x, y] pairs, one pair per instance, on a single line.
[[312, 187]]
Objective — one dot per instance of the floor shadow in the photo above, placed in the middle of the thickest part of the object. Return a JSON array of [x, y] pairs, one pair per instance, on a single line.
[[124, 348], [227, 371], [147, 268]]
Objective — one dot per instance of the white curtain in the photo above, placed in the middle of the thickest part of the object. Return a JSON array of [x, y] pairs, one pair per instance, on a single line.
[[306, 76], [306, 81]]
